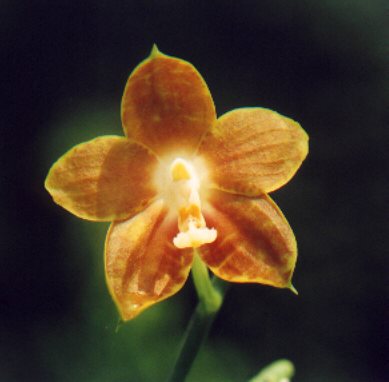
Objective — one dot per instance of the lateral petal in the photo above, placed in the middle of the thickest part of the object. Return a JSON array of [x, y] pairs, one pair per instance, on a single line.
[[142, 265], [166, 105], [255, 242], [253, 150], [105, 179]]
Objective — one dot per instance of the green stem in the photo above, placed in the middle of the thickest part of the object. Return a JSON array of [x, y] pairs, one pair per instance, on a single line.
[[210, 294], [210, 299]]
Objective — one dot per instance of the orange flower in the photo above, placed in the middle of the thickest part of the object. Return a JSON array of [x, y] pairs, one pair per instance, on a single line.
[[181, 179]]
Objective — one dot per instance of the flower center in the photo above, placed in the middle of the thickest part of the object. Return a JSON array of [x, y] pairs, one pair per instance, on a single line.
[[191, 223]]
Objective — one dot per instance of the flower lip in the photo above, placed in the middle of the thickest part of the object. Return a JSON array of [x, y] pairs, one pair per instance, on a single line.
[[179, 185], [195, 237]]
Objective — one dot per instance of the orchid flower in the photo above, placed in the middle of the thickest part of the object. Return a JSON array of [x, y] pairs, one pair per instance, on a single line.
[[182, 182]]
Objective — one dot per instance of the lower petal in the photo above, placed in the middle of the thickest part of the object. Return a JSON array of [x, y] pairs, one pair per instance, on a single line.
[[142, 265], [255, 242]]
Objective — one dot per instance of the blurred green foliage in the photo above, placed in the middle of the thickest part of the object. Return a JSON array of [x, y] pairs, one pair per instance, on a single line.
[[278, 371]]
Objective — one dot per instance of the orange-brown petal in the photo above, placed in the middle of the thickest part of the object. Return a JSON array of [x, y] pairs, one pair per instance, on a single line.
[[142, 265], [105, 179], [254, 243], [166, 105], [253, 150]]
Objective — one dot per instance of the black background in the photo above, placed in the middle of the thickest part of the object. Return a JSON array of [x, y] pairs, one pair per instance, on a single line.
[[320, 62]]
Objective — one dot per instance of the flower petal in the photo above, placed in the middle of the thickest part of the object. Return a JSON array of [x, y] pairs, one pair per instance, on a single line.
[[255, 242], [253, 150], [142, 265], [105, 179], [166, 105]]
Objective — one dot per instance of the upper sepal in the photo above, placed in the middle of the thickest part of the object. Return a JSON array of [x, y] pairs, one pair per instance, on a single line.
[[166, 105]]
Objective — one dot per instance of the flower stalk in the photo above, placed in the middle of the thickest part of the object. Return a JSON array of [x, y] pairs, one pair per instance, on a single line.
[[211, 294], [210, 298]]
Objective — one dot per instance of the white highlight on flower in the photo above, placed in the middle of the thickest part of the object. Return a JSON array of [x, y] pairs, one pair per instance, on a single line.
[[191, 223]]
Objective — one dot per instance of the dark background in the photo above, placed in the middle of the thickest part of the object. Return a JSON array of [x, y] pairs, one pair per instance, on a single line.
[[64, 66]]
